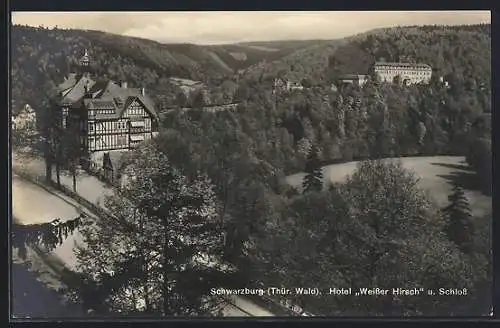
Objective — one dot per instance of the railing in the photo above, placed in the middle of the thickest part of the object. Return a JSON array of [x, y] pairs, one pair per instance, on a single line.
[[276, 306]]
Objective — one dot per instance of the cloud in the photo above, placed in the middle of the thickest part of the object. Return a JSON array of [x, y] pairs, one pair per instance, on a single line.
[[229, 27]]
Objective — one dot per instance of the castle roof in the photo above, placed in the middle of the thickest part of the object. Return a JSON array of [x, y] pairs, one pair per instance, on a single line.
[[402, 65]]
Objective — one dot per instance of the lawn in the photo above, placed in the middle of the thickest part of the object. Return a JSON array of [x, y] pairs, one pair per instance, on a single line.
[[33, 205], [437, 175]]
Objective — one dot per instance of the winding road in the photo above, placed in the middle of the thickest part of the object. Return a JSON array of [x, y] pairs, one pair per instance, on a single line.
[[32, 203]]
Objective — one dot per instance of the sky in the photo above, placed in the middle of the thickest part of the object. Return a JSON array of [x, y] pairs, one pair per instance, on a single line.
[[218, 27]]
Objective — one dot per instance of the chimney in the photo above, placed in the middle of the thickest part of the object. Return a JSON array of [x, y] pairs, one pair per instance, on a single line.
[[143, 91], [124, 84]]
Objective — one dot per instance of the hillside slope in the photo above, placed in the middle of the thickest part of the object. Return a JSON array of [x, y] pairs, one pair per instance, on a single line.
[[39, 55], [456, 52], [378, 120]]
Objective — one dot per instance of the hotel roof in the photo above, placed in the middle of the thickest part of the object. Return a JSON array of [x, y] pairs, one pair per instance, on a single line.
[[104, 95]]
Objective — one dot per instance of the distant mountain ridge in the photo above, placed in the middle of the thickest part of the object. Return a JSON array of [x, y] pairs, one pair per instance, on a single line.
[[39, 54], [463, 50]]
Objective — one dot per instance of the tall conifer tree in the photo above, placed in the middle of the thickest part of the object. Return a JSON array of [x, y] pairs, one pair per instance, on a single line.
[[313, 180]]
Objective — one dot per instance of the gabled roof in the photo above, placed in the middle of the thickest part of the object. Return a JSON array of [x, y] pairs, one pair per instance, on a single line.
[[114, 159], [98, 88], [99, 104], [69, 82], [104, 95], [78, 90], [127, 96]]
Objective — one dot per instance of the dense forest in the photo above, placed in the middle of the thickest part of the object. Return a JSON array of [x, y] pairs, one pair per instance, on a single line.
[[41, 54], [246, 154], [461, 52]]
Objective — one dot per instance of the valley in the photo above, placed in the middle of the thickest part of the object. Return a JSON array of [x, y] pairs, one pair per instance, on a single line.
[[224, 151]]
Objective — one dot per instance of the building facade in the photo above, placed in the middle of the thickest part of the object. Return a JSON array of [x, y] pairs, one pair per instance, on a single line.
[[107, 116], [25, 120], [407, 73], [280, 84], [355, 79]]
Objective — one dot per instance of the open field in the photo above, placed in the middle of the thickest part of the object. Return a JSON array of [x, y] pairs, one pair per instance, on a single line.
[[39, 275], [437, 175]]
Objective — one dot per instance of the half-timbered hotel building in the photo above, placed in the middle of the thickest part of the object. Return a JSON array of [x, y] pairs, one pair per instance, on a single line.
[[108, 117]]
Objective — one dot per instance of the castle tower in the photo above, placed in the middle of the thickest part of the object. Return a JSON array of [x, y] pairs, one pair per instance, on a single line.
[[84, 63]]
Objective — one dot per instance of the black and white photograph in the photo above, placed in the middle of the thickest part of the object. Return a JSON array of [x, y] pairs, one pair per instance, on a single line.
[[176, 164]]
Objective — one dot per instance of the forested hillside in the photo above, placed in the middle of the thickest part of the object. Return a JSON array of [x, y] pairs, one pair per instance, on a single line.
[[460, 53], [360, 233], [377, 120], [247, 154], [41, 55]]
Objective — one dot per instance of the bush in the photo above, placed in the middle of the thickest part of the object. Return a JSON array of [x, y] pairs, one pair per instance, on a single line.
[[479, 159]]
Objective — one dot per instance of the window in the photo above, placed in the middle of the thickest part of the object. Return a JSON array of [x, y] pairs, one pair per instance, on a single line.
[[137, 124], [91, 127], [121, 141], [135, 139], [135, 110]]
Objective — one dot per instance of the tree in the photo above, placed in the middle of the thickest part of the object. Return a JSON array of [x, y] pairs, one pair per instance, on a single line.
[[363, 234], [199, 98], [159, 250], [49, 117], [49, 235], [182, 99], [421, 131], [70, 149], [479, 158], [313, 180], [24, 134], [242, 92], [459, 219], [306, 83]]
